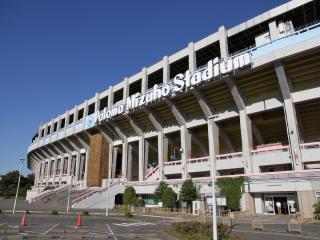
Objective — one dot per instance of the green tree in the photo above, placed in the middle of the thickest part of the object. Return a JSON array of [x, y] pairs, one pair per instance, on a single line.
[[169, 197], [316, 207], [188, 192], [158, 193], [231, 189], [9, 183], [129, 197]]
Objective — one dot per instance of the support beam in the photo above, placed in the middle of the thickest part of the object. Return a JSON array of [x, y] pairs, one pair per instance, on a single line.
[[155, 120], [141, 159], [176, 111], [185, 138], [144, 80], [124, 159], [166, 69], [136, 125], [290, 117], [213, 136], [223, 41], [273, 30], [105, 133], [118, 130]]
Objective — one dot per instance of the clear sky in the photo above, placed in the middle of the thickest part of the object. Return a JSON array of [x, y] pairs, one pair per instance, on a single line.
[[54, 54]]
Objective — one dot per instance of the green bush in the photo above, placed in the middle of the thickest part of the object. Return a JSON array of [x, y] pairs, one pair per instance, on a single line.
[[169, 197], [317, 209], [54, 212], [196, 230], [85, 213], [231, 189], [128, 214], [130, 197]]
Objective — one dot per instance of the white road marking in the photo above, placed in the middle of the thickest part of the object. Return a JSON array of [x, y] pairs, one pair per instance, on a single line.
[[130, 224], [49, 230], [114, 236]]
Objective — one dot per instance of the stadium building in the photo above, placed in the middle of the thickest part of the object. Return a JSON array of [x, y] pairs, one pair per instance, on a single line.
[[243, 101]]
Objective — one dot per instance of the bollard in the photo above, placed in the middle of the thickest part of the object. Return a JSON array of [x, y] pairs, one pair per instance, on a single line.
[[23, 220], [78, 221]]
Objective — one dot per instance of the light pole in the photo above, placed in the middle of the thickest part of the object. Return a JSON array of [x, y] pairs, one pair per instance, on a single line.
[[109, 179], [213, 139], [15, 200], [69, 193]]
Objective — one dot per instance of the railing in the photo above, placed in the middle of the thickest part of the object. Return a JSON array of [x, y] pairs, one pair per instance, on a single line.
[[229, 155], [172, 163], [198, 160], [49, 193], [270, 149], [93, 192], [152, 172], [305, 146]]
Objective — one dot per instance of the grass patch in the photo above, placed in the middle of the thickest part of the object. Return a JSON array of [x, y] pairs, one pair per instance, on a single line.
[[196, 230]]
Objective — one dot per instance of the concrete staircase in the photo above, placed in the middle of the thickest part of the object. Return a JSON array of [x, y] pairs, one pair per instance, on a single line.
[[97, 199]]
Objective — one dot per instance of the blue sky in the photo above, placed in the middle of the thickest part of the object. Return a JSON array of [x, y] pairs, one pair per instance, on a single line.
[[56, 54]]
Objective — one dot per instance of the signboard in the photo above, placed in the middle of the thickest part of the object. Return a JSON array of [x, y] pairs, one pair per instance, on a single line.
[[182, 82]]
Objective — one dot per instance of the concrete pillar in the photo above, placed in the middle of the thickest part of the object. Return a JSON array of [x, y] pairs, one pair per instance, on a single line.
[[110, 158], [192, 58], [97, 102], [110, 97], [75, 117], [223, 41], [213, 137], [114, 162], [61, 169], [273, 30], [69, 165], [82, 162], [144, 81], [126, 89], [141, 159], [290, 117], [249, 202], [185, 137], [246, 140], [124, 158], [160, 154], [146, 157], [306, 199], [66, 122], [166, 69], [77, 166], [129, 169], [85, 113]]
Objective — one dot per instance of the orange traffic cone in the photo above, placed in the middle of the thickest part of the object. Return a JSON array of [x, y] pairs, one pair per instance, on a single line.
[[78, 221], [23, 220]]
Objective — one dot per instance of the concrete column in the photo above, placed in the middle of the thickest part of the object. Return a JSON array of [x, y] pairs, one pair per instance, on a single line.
[[77, 166], [85, 113], [110, 97], [223, 41], [110, 158], [129, 169], [141, 159], [126, 89], [61, 169], [144, 81], [160, 154], [213, 137], [192, 58], [165, 148], [97, 102], [124, 158], [114, 162], [81, 166], [66, 123], [69, 165], [290, 117], [273, 30], [246, 140], [146, 157], [166, 69], [45, 130], [185, 137]]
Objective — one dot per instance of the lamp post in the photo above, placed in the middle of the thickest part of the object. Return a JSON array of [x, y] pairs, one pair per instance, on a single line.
[[69, 193], [212, 153], [15, 200], [109, 179]]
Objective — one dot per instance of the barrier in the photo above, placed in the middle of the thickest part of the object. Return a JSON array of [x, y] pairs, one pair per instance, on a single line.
[[294, 226]]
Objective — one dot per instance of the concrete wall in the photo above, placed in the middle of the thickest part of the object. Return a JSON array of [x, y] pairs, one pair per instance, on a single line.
[[98, 160]]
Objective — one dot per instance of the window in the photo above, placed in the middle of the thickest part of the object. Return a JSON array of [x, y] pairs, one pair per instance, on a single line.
[[80, 114], [48, 130], [42, 133], [91, 108], [55, 126], [103, 103], [318, 197], [62, 123], [71, 118]]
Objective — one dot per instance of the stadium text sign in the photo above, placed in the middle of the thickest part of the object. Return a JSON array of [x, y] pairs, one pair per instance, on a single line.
[[215, 69]]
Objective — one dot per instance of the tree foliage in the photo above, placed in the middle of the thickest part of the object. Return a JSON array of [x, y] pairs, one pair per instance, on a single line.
[[169, 197], [231, 189], [9, 183], [130, 197], [188, 192], [316, 207], [158, 193]]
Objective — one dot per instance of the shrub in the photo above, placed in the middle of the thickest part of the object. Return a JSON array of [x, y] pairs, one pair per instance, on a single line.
[[188, 193], [317, 209], [54, 212], [158, 193], [128, 214], [130, 197], [85, 213], [168, 198]]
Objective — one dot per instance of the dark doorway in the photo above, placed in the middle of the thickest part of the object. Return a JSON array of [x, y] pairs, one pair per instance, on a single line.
[[284, 205]]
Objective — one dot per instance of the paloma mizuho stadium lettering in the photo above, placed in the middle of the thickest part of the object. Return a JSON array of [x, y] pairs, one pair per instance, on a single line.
[[215, 69]]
